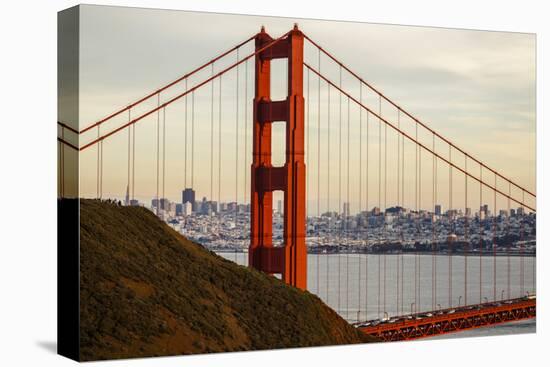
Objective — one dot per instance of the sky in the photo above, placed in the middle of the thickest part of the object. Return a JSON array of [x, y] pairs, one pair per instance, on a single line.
[[475, 87]]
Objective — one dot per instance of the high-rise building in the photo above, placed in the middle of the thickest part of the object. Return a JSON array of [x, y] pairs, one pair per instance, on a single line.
[[188, 196], [437, 209]]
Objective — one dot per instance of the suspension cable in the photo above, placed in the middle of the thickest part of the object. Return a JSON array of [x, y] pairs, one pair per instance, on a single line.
[[397, 267], [245, 109], [522, 265], [494, 242], [193, 140], [508, 296], [97, 165], [419, 223], [181, 95], [416, 219], [413, 140], [360, 200], [340, 207], [220, 157], [164, 201], [133, 162], [480, 234], [402, 235], [347, 215], [308, 156], [328, 191], [434, 218], [185, 134], [158, 156], [367, 219], [237, 146], [451, 226], [417, 121], [385, 200], [379, 205], [129, 158], [210, 215], [466, 232], [318, 165], [184, 77]]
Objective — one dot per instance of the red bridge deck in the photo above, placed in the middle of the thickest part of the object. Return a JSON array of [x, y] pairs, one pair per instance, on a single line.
[[428, 324]]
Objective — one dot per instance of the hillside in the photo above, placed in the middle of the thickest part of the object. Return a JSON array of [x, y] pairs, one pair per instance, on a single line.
[[148, 291]]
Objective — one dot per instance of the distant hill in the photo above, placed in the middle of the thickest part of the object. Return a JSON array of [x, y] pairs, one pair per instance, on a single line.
[[148, 291]]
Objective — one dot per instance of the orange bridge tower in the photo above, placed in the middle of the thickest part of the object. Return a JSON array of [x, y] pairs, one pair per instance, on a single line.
[[290, 260]]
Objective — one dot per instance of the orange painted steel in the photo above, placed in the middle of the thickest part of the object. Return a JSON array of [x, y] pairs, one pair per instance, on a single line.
[[460, 320], [290, 260]]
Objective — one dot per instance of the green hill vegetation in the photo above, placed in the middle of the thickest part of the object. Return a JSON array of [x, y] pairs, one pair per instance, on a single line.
[[148, 291]]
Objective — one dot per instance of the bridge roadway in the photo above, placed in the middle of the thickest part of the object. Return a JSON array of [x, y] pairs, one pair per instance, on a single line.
[[450, 320]]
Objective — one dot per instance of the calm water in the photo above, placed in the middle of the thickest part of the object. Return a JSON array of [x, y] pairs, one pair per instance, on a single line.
[[366, 286]]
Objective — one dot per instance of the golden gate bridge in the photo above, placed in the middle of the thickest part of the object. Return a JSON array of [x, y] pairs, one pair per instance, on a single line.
[[377, 129]]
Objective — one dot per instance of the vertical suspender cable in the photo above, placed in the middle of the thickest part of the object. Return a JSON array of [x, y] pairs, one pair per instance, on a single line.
[[434, 198], [165, 202], [193, 139], [402, 235], [347, 214], [397, 278], [379, 201], [245, 110], [328, 189], [508, 243], [220, 156], [185, 138], [318, 165], [466, 231], [211, 151], [308, 156], [451, 220], [360, 199], [129, 150], [367, 222], [158, 155], [419, 221], [385, 201], [340, 208], [133, 161], [416, 217], [522, 262], [494, 241], [97, 163], [101, 170], [237, 146], [480, 234]]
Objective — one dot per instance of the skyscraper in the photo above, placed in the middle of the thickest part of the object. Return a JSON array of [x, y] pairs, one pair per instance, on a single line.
[[188, 196]]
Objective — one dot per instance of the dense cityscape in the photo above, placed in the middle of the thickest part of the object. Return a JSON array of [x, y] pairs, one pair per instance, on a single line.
[[225, 227]]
